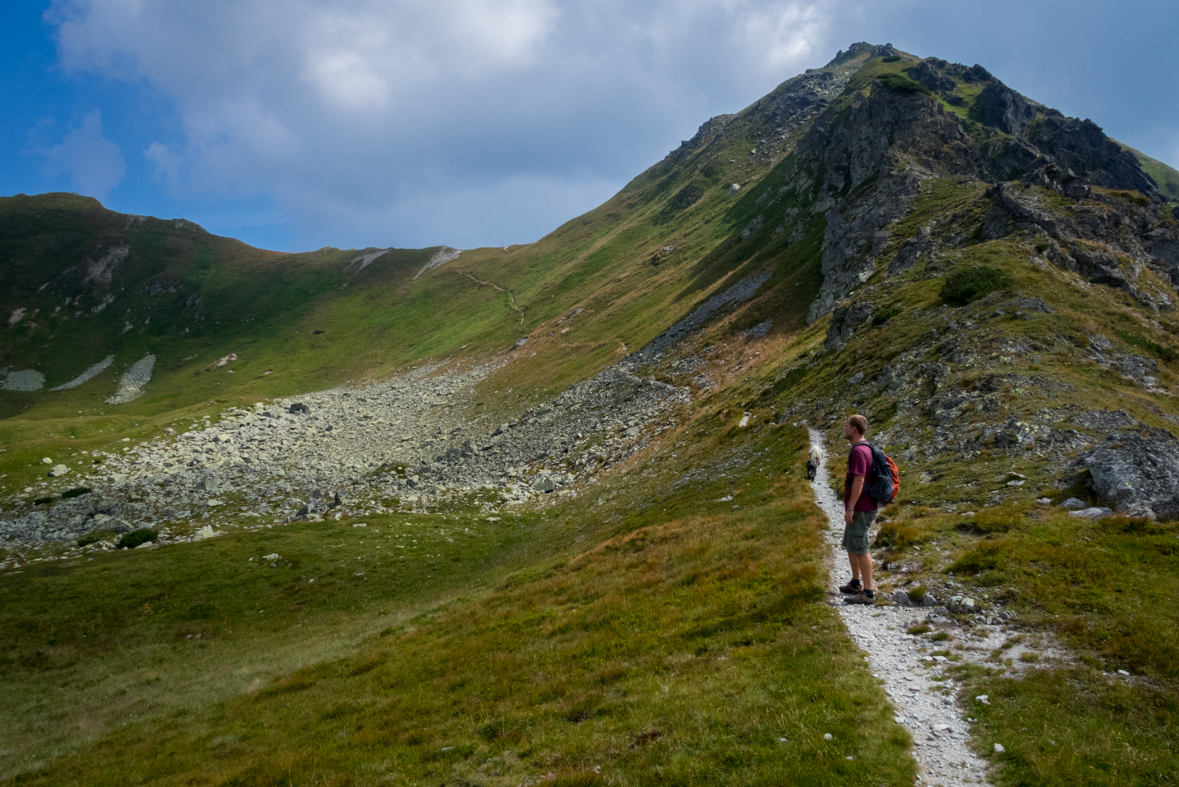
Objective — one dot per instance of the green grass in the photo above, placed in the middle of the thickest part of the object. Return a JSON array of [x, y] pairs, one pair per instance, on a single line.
[[1154, 348], [648, 628], [967, 285], [659, 635], [1165, 176]]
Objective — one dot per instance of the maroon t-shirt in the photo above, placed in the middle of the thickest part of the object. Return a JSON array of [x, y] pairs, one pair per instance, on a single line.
[[859, 463]]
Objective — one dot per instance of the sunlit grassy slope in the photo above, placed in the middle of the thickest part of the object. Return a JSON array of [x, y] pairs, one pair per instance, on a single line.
[[656, 635], [301, 322], [649, 632]]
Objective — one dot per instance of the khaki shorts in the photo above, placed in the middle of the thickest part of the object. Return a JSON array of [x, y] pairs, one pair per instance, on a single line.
[[855, 535]]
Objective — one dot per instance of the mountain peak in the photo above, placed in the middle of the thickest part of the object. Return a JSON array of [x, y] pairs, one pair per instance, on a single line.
[[863, 50]]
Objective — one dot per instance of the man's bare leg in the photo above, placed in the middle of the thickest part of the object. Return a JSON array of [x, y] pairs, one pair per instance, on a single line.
[[862, 567], [855, 565]]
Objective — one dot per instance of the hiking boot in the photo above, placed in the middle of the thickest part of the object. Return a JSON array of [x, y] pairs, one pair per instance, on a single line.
[[861, 598], [851, 588]]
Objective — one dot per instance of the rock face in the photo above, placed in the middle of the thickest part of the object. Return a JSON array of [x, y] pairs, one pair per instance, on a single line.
[[1137, 473], [844, 322], [876, 153], [1003, 108], [1081, 145], [865, 163]]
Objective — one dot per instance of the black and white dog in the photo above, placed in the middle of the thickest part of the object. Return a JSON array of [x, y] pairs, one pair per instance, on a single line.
[[812, 463]]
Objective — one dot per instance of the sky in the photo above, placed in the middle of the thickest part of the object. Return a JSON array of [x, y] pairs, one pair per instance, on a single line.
[[298, 124]]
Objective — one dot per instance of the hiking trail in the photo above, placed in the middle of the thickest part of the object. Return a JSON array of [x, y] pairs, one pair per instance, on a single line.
[[926, 708]]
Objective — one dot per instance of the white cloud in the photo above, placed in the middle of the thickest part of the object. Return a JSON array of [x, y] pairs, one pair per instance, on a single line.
[[514, 209], [344, 81], [366, 108], [94, 164]]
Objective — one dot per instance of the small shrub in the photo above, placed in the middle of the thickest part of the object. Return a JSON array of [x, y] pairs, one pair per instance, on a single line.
[[983, 557], [137, 537], [77, 491], [970, 284], [1133, 197], [89, 538], [899, 534], [1157, 350], [916, 593], [892, 59], [40, 501], [887, 314], [941, 636], [920, 628], [899, 83]]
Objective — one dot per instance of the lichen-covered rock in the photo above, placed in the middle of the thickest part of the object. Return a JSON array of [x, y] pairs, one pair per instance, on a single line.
[[1137, 472], [845, 320]]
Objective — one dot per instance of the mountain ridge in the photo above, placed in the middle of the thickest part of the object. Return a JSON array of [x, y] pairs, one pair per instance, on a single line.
[[599, 440]]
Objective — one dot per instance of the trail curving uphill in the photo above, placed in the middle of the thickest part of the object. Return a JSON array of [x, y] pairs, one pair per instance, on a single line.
[[927, 709]]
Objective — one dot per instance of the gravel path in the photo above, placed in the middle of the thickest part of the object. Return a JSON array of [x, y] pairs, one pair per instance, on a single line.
[[926, 708]]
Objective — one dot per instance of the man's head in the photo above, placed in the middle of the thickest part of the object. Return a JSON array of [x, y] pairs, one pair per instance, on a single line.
[[855, 428]]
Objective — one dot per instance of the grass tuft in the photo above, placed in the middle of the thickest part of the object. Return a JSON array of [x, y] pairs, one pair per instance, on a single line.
[[137, 538], [969, 284], [1154, 348], [900, 83]]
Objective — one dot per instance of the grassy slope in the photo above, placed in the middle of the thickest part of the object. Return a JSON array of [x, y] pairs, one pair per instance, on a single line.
[[267, 307], [1166, 177], [1104, 589], [658, 634], [1088, 584]]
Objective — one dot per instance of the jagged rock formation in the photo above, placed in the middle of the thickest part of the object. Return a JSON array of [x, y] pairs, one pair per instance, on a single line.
[[864, 157]]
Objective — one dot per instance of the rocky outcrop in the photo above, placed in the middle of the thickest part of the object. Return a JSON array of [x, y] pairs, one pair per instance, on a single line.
[[845, 319], [862, 50], [1109, 240], [1000, 106], [1081, 145], [869, 162], [1136, 472], [930, 77], [1034, 135]]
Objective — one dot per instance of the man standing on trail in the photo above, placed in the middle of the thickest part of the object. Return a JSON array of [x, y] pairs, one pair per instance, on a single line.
[[859, 509]]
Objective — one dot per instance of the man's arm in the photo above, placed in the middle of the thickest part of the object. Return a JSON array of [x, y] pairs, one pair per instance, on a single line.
[[856, 489]]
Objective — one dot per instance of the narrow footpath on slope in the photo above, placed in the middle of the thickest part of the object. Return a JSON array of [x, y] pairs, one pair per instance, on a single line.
[[924, 696]]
